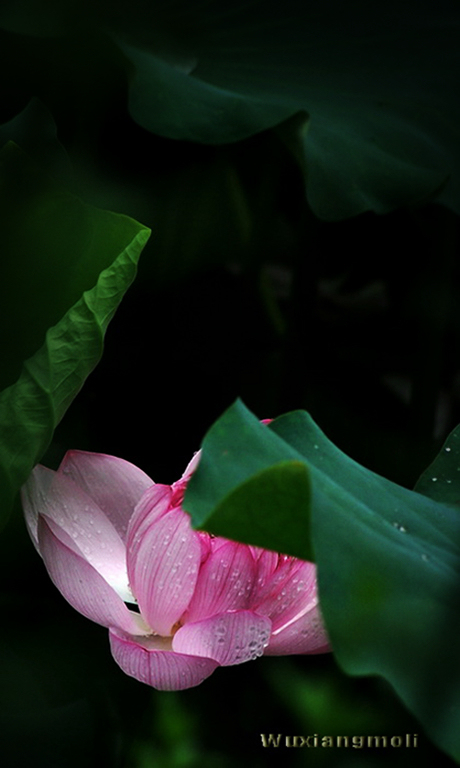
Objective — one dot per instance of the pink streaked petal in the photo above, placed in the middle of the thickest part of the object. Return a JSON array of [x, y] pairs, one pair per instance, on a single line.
[[191, 466], [217, 542], [224, 583], [78, 515], [154, 503], [164, 570], [83, 587], [288, 593], [150, 661], [114, 484], [178, 488], [205, 542], [229, 638], [34, 494], [306, 634], [267, 562]]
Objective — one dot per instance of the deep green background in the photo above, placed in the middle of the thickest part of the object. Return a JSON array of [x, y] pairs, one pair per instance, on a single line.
[[241, 292]]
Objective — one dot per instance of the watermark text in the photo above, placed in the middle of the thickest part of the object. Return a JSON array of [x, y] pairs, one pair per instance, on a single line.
[[315, 740]]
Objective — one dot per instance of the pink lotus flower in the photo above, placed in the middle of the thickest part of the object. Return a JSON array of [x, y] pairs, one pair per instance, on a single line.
[[112, 540]]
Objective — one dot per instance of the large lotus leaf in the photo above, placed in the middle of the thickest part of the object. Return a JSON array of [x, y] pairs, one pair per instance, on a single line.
[[388, 558], [54, 246], [267, 475], [380, 89], [65, 268], [378, 80], [165, 99]]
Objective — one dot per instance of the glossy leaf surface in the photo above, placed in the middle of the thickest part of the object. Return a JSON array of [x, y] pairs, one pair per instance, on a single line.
[[388, 558]]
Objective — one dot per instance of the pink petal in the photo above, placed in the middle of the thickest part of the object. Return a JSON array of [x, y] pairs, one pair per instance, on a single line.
[[206, 547], [153, 504], [224, 583], [114, 484], [178, 488], [150, 662], [306, 634], [289, 591], [229, 638], [163, 568], [82, 586], [267, 562], [93, 533], [217, 542], [34, 494], [191, 466]]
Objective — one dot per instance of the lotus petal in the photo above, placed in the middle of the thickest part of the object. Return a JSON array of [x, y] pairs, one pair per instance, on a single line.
[[83, 587], [150, 661], [229, 638], [306, 634], [224, 583], [163, 569], [114, 484]]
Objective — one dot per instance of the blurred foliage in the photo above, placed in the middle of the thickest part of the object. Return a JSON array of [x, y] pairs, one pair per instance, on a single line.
[[242, 291], [378, 82]]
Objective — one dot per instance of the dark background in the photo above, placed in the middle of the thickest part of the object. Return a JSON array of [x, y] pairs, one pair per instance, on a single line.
[[241, 292]]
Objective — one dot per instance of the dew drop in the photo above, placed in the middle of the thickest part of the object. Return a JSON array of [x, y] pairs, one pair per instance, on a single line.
[[316, 447], [447, 450], [449, 481], [400, 527], [434, 479]]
